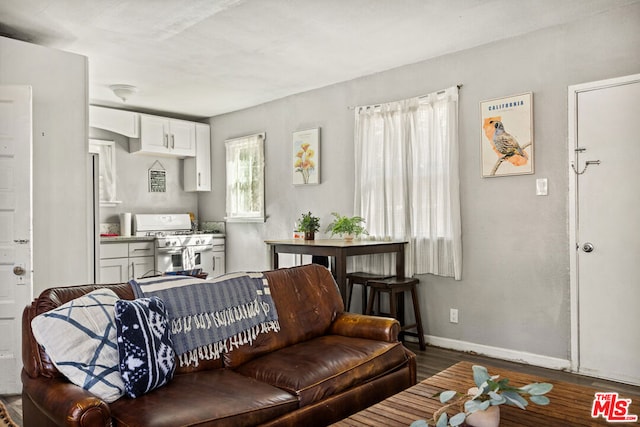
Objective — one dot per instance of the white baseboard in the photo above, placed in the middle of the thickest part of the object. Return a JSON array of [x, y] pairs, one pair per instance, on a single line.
[[500, 353]]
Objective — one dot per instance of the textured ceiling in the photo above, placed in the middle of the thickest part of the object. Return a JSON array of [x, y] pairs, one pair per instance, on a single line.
[[202, 58]]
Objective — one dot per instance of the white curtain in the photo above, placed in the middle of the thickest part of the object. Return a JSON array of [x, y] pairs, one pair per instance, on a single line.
[[407, 182]]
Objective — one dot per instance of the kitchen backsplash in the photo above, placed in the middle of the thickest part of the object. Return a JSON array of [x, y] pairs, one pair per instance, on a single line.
[[207, 226], [213, 226], [109, 228]]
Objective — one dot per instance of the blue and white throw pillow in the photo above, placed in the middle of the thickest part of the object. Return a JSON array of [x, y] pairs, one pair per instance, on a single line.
[[80, 339], [147, 359]]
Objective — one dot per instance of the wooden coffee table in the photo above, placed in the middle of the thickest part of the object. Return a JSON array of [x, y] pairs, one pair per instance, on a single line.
[[570, 403]]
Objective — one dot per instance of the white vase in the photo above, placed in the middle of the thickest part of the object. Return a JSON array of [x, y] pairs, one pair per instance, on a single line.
[[488, 418]]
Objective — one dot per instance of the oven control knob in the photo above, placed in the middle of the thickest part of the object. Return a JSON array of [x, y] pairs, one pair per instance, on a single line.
[[174, 243], [167, 243]]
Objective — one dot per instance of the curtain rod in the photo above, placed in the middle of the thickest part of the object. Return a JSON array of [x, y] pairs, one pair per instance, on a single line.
[[353, 107]]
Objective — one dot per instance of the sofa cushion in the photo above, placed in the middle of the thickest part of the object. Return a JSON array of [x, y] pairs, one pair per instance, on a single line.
[[80, 338], [36, 361], [307, 300], [146, 359], [220, 397], [326, 365]]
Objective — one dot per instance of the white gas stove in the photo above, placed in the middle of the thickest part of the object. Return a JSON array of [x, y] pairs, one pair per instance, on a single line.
[[177, 246]]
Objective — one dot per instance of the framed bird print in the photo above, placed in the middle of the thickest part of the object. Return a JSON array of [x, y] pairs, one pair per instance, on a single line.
[[507, 135]]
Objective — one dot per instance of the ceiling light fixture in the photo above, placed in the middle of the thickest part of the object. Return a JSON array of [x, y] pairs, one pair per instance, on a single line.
[[123, 91]]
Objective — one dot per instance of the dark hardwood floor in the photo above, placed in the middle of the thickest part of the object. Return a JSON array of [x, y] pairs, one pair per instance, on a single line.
[[433, 360]]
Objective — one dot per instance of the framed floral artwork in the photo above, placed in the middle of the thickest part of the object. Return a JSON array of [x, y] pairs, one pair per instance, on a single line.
[[507, 135], [306, 157]]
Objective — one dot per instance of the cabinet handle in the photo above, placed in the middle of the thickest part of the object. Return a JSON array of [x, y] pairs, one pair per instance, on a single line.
[[142, 249], [199, 179], [173, 141], [166, 140]]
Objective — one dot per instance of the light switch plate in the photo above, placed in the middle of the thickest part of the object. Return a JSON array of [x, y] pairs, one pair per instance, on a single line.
[[541, 187]]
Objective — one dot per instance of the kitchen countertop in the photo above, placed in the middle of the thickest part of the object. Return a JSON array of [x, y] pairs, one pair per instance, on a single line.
[[120, 239]]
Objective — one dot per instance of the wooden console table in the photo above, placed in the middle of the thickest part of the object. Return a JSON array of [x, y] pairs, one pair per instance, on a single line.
[[570, 405], [338, 249]]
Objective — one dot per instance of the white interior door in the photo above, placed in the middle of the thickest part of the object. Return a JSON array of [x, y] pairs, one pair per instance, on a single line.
[[15, 228], [607, 221]]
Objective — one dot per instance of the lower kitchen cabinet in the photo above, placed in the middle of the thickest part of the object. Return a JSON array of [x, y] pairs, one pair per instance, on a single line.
[[123, 261], [114, 270], [219, 267]]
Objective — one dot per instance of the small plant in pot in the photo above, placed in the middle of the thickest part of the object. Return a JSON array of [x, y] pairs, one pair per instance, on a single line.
[[308, 224], [348, 227], [479, 406]]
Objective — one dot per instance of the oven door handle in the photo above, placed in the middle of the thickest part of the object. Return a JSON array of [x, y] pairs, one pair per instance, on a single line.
[[170, 251]]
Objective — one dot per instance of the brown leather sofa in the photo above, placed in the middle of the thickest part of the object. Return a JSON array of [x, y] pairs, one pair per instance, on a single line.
[[344, 363]]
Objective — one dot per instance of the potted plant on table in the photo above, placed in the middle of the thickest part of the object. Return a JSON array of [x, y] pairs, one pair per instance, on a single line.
[[480, 406], [349, 227], [308, 224]]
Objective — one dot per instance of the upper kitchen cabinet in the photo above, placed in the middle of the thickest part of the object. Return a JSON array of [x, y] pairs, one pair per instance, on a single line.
[[164, 136], [124, 122], [197, 170]]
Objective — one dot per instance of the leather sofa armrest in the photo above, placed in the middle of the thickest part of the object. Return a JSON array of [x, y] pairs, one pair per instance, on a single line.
[[364, 326], [65, 403]]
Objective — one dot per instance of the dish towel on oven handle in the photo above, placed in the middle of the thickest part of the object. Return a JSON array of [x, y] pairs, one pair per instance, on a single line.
[[188, 258], [214, 316]]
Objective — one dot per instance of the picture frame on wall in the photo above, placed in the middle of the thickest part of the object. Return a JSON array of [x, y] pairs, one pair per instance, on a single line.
[[306, 157], [507, 136]]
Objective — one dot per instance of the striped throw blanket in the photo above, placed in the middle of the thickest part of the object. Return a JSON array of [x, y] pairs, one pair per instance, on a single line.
[[211, 317]]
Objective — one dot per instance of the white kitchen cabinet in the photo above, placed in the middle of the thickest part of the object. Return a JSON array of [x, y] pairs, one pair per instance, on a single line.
[[164, 136], [142, 259], [124, 122], [142, 267], [197, 170], [123, 261], [115, 270], [219, 267]]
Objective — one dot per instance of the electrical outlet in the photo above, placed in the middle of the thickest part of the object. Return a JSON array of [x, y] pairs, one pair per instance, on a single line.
[[453, 315]]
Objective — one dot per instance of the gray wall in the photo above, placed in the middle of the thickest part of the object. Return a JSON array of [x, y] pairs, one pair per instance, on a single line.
[[132, 185], [61, 209], [515, 289]]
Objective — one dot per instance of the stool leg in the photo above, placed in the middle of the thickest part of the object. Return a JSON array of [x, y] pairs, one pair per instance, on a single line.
[[393, 305], [400, 307], [372, 297], [416, 310], [349, 293], [364, 296]]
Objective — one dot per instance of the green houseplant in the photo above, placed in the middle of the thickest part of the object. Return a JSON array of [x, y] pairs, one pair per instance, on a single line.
[[308, 224], [488, 394], [349, 227]]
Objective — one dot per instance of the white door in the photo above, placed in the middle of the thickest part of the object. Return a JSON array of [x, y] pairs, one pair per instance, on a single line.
[[606, 217], [15, 228]]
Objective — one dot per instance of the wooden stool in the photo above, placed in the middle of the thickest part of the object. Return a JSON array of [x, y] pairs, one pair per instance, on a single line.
[[361, 278], [396, 288]]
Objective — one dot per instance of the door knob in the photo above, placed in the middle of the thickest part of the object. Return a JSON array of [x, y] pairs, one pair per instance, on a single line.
[[587, 247], [18, 271]]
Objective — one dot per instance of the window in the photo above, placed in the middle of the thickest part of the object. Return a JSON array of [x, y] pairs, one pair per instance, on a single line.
[[407, 180], [107, 167], [245, 179]]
